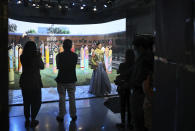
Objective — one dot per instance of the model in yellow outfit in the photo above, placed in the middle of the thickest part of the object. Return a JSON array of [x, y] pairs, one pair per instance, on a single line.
[[100, 83], [97, 56]]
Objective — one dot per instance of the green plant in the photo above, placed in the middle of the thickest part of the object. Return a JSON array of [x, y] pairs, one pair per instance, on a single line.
[[31, 31]]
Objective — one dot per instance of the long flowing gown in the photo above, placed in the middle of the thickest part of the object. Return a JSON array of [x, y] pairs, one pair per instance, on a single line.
[[100, 83], [11, 66], [86, 58], [82, 58], [106, 55], [16, 58], [110, 61], [55, 52], [42, 51]]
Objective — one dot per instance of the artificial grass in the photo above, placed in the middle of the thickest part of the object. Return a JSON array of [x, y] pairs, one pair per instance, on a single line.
[[48, 77]]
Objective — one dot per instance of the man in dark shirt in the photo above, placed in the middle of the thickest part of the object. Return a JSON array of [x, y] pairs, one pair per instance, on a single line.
[[143, 67], [125, 71], [66, 78]]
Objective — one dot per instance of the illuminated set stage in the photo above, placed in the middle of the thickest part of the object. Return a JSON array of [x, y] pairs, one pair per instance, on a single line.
[[49, 43], [49, 90], [51, 94]]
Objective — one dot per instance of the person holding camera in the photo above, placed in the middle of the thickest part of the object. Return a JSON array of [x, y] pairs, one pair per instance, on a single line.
[[125, 71], [30, 82]]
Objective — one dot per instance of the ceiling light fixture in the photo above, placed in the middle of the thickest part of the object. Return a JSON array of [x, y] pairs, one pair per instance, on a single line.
[[66, 6], [105, 6], [82, 7], [19, 2], [109, 1], [59, 6], [33, 4], [49, 6], [37, 6], [95, 9]]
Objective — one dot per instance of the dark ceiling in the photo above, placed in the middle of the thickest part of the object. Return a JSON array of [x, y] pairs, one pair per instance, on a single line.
[[70, 12]]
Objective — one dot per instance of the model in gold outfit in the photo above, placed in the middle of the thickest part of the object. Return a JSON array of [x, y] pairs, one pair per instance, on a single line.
[[100, 83]]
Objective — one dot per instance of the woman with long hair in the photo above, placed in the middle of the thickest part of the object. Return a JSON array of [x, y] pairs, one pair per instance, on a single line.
[[30, 82]]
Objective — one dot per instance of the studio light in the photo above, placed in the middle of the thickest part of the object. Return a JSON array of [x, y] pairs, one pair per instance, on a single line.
[[59, 6], [94, 9], [80, 128], [19, 2], [66, 6], [109, 1], [47, 5], [37, 6]]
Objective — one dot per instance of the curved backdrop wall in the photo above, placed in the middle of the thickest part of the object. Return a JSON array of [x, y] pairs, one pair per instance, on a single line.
[[49, 39]]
